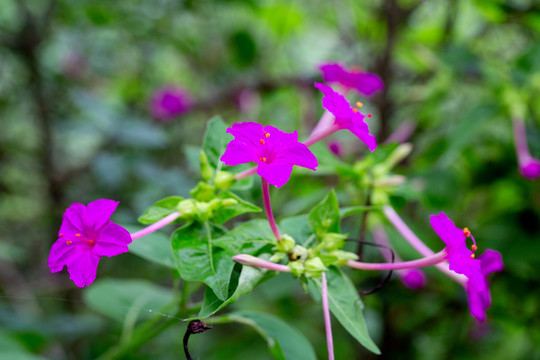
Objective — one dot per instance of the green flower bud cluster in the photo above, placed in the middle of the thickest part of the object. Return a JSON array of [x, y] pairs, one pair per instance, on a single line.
[[222, 180], [303, 262], [192, 209]]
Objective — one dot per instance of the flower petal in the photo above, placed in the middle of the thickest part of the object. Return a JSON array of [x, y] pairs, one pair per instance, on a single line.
[[247, 132], [112, 241], [60, 255], [447, 231], [363, 82], [238, 152], [334, 101], [83, 268], [98, 214], [298, 154], [491, 261], [359, 128], [477, 302], [275, 173], [73, 219]]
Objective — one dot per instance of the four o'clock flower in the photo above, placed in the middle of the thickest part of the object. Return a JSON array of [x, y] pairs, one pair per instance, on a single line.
[[363, 82], [274, 151], [529, 166], [346, 117], [169, 102], [87, 234]]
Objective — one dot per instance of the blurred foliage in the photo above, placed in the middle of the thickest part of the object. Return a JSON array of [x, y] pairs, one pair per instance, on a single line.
[[75, 81]]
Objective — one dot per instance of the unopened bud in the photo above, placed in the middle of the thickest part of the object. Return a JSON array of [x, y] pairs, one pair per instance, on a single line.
[[286, 244], [229, 202], [206, 170], [249, 260], [186, 208], [400, 153], [314, 267], [204, 210], [203, 192], [342, 256], [393, 180], [224, 180], [298, 253], [379, 197], [333, 241], [297, 268]]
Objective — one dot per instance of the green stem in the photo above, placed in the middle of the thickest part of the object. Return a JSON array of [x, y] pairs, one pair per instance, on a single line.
[[209, 238]]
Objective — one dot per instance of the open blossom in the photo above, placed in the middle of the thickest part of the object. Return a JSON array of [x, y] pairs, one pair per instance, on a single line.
[[169, 102], [274, 151], [346, 117], [480, 300], [462, 260], [87, 234], [363, 82]]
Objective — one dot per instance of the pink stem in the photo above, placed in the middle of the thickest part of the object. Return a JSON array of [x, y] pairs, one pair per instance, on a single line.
[[402, 133], [325, 121], [427, 261], [327, 323], [245, 173], [249, 260], [520, 140], [155, 226], [418, 244], [268, 208]]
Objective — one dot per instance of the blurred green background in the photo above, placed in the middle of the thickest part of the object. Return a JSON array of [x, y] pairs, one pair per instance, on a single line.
[[75, 82]]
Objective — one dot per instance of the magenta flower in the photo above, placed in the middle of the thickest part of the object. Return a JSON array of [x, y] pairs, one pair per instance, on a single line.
[[346, 117], [480, 300], [274, 151], [529, 166], [363, 82], [87, 234], [414, 279], [460, 258], [169, 102]]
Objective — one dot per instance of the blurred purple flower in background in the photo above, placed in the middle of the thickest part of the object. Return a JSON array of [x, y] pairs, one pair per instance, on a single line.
[[87, 234], [529, 166], [363, 82], [169, 102]]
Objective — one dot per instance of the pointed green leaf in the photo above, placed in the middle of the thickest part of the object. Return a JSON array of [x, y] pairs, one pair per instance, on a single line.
[[199, 259], [325, 216], [215, 140], [284, 341], [297, 227], [247, 238], [160, 209], [346, 305]]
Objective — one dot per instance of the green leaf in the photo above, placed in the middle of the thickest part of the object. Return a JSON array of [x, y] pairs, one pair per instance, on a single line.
[[160, 209], [247, 238], [117, 298], [346, 305], [297, 227], [284, 341], [154, 247], [199, 259], [215, 140], [351, 210], [224, 213], [325, 216], [13, 349], [244, 283]]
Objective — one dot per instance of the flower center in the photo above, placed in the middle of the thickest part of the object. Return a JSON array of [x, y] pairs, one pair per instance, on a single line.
[[468, 234], [79, 237]]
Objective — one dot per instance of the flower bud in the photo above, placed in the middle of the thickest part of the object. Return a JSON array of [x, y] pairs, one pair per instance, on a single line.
[[314, 267], [206, 170], [286, 244], [203, 192], [297, 268], [342, 256], [186, 208], [298, 253], [204, 210], [333, 241], [400, 153], [229, 202], [224, 180]]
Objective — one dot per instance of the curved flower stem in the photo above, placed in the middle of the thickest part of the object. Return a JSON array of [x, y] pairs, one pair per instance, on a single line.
[[427, 261], [250, 260], [268, 208], [245, 173], [327, 323], [520, 140], [156, 226], [418, 244]]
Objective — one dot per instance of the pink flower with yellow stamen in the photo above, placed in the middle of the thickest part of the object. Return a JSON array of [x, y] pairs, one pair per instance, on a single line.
[[274, 151], [87, 234]]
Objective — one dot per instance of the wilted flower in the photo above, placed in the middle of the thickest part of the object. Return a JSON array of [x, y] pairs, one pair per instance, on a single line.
[[87, 234], [169, 102], [274, 151], [363, 82], [346, 117]]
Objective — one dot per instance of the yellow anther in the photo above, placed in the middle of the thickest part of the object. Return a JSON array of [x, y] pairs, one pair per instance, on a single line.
[[263, 159], [474, 247], [466, 232], [472, 256], [261, 141], [359, 104], [355, 110], [68, 242], [61, 235], [78, 235], [266, 135], [90, 241]]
